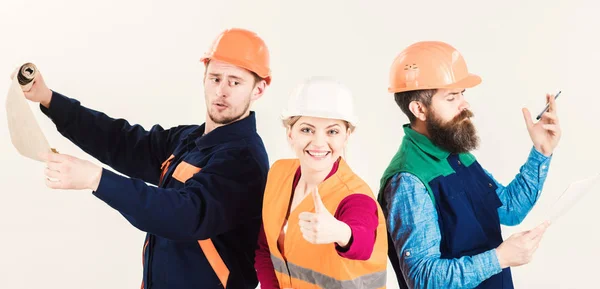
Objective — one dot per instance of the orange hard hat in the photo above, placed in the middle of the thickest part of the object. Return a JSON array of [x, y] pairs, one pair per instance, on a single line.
[[430, 65], [242, 48]]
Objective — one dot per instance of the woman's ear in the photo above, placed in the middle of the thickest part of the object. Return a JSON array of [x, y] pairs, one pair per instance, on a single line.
[[289, 134], [348, 133]]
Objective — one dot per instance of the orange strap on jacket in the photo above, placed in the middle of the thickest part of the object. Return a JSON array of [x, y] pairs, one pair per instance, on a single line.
[[143, 253], [215, 260], [182, 173]]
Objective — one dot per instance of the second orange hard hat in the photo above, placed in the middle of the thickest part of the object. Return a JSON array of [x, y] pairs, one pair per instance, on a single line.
[[430, 65]]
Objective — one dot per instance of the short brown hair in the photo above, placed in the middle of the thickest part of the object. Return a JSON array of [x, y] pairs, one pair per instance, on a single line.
[[403, 99], [257, 78]]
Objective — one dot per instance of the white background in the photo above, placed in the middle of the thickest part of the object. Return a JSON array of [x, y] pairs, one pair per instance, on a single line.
[[139, 60]]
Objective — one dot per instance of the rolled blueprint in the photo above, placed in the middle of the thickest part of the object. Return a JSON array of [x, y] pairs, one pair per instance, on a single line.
[[25, 133], [26, 75]]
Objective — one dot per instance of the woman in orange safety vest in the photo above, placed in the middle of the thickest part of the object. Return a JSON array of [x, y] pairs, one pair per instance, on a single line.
[[322, 227]]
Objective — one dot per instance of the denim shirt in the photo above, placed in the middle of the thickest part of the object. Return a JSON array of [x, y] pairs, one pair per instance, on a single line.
[[413, 225]]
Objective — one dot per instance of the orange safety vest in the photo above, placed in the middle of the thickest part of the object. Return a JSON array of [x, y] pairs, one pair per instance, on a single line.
[[305, 265]]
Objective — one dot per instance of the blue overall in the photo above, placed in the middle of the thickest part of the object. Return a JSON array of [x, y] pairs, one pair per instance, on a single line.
[[467, 206], [464, 197]]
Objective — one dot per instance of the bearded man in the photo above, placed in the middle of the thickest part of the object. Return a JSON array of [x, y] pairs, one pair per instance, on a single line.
[[443, 209]]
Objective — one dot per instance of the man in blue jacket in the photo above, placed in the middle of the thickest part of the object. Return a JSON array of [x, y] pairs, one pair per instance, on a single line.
[[444, 211], [203, 218]]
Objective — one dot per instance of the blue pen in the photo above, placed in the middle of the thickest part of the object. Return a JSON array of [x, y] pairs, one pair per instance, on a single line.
[[547, 106]]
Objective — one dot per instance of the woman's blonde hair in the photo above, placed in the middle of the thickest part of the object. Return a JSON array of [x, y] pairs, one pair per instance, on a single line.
[[289, 122]]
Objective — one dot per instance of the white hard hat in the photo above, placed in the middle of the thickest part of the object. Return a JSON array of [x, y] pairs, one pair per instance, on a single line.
[[321, 96]]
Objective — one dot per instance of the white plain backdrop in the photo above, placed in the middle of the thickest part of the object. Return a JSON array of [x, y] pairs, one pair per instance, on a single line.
[[139, 60]]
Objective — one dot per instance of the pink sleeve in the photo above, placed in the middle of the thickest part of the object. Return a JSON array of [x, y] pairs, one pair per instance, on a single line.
[[359, 212], [263, 264]]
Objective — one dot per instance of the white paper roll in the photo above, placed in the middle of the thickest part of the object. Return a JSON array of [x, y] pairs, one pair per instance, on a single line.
[[25, 133]]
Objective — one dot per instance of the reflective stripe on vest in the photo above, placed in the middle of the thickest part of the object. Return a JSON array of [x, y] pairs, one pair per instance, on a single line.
[[372, 280]]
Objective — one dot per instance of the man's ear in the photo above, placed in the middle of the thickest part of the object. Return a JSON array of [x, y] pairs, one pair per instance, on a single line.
[[259, 90], [418, 110]]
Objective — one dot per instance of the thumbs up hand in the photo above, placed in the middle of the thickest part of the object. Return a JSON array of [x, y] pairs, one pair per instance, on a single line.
[[321, 227]]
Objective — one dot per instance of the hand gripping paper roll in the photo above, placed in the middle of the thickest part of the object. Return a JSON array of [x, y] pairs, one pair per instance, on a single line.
[[25, 133]]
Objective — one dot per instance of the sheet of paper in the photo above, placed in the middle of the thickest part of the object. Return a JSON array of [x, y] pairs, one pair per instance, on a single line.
[[25, 133], [573, 194]]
